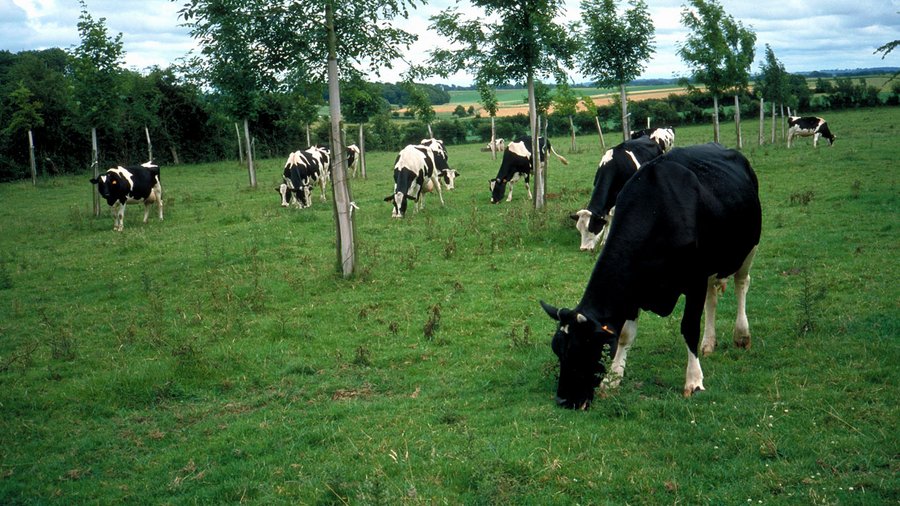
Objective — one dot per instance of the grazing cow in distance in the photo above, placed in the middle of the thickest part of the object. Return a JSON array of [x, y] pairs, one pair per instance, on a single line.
[[499, 145], [132, 184], [516, 163], [664, 136], [615, 169], [445, 174], [686, 221], [414, 173], [807, 126], [301, 170], [353, 155]]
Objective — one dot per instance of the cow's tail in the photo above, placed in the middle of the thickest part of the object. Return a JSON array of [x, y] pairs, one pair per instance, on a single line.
[[561, 157]]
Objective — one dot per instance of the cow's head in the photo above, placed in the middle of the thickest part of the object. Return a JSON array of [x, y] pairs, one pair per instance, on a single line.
[[398, 201], [579, 344], [302, 195], [112, 186], [498, 188], [593, 228], [449, 178]]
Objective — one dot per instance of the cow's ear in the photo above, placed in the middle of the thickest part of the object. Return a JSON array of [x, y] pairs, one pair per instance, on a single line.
[[574, 216], [551, 311], [389, 198], [456, 173], [94, 180], [414, 199]]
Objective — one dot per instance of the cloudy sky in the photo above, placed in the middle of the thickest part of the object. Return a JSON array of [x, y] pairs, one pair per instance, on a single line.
[[805, 34]]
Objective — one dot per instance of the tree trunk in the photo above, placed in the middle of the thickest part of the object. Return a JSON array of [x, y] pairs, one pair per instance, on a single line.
[[95, 168], [237, 130], [308, 142], [762, 119], [737, 122], [362, 152], [536, 168], [626, 128], [250, 168], [782, 121], [31, 158], [572, 130], [174, 155], [773, 122], [493, 138], [149, 145], [430, 134], [343, 210], [715, 118], [600, 133]]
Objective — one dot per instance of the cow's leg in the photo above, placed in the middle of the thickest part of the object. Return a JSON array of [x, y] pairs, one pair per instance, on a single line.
[[437, 182], [323, 183], [617, 369], [816, 139], [118, 217], [714, 287], [741, 285], [147, 205], [509, 197], [528, 187], [690, 329]]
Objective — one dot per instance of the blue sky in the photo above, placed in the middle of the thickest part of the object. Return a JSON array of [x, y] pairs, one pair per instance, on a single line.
[[805, 35]]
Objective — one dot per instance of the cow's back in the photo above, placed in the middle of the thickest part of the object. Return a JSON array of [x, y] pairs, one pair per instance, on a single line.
[[683, 216]]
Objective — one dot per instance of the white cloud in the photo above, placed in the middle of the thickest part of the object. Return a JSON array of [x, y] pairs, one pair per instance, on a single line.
[[805, 34]]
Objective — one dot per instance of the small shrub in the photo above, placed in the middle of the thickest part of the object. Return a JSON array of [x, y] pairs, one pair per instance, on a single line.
[[434, 321], [802, 198]]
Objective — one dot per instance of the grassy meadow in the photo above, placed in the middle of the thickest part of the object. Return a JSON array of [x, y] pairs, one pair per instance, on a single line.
[[216, 357]]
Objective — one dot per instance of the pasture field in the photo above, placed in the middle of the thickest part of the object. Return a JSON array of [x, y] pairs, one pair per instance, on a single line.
[[216, 357]]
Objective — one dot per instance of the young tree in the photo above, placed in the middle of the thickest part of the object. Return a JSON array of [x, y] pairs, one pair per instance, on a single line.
[[772, 83], [361, 102], [230, 60], [420, 105], [706, 50], [594, 110], [96, 65], [522, 43], [319, 40], [25, 117], [565, 102], [614, 49], [741, 52], [488, 96]]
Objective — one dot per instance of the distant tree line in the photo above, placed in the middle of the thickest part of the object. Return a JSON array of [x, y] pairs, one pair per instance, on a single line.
[[188, 124]]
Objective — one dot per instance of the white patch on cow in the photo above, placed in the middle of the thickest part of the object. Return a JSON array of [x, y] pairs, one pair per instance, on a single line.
[[588, 240], [634, 160], [519, 148], [122, 171], [564, 329], [607, 157], [665, 137]]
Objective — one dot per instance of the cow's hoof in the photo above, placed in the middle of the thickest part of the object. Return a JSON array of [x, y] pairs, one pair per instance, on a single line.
[[707, 348], [742, 341], [691, 390]]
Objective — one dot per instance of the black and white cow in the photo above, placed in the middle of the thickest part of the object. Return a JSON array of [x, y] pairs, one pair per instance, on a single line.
[[664, 136], [301, 170], [132, 184], [615, 169], [807, 126], [516, 163], [414, 173], [353, 155], [445, 174], [498, 145], [686, 221]]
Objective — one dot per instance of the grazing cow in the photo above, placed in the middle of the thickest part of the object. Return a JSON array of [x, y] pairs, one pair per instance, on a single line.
[[352, 157], [615, 169], [301, 170], [445, 174], [414, 172], [807, 126], [132, 184], [685, 222], [499, 145], [516, 163], [664, 136]]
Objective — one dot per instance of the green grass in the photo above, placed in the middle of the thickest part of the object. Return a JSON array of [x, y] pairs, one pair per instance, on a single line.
[[216, 357]]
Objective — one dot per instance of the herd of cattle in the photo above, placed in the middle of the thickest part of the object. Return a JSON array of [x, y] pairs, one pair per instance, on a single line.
[[686, 219]]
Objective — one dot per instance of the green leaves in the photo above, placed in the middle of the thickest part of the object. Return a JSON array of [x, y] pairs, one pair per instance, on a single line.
[[614, 48]]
